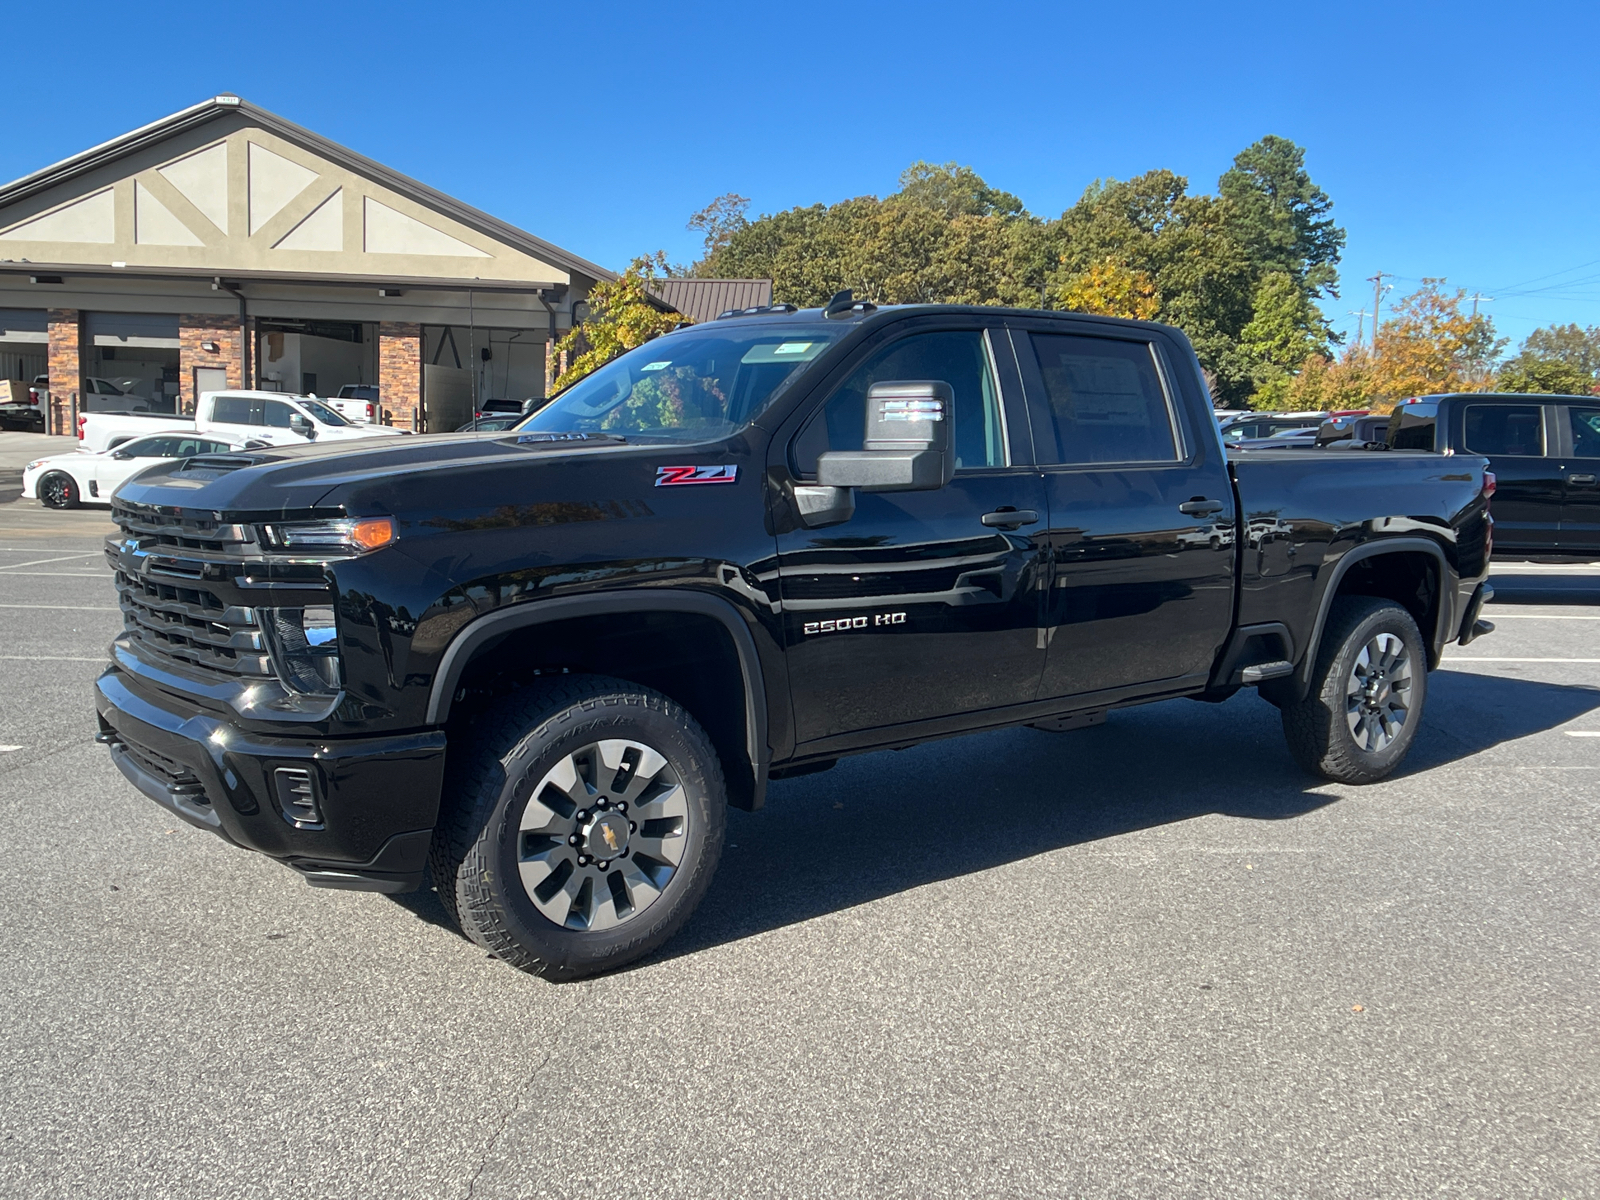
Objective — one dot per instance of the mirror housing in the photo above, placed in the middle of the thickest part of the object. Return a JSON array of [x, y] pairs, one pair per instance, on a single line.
[[121, 454], [303, 426], [907, 444]]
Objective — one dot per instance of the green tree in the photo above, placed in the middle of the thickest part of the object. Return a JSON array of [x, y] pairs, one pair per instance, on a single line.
[[622, 315], [1550, 376], [1567, 344], [1284, 331], [1281, 216], [954, 191], [947, 235], [1559, 360], [720, 220]]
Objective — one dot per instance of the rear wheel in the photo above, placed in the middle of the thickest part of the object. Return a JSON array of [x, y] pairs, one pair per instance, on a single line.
[[1364, 706], [57, 490], [583, 824]]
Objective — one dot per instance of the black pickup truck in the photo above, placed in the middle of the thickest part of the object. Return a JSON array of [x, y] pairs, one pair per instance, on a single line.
[[537, 665], [1544, 452]]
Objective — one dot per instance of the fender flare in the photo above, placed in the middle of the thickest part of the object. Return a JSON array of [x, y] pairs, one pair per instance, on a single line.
[[542, 612], [1360, 554]]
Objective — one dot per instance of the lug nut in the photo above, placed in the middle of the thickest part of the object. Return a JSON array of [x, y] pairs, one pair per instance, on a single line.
[[583, 860], [632, 828], [622, 806], [573, 840], [603, 863]]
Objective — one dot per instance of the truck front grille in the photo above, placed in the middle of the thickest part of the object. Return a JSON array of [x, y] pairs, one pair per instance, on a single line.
[[189, 625]]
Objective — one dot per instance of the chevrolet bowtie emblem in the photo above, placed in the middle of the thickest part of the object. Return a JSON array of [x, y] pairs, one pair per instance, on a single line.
[[610, 837]]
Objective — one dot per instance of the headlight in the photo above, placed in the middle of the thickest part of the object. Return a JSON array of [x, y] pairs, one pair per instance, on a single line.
[[352, 535], [304, 646], [36, 464]]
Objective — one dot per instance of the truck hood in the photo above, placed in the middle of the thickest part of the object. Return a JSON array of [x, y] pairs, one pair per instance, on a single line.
[[281, 480]]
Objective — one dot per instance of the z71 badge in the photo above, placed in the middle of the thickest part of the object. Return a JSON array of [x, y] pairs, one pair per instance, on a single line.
[[682, 476]]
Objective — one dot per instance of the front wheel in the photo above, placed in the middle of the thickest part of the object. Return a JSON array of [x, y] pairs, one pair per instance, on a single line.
[[57, 490], [582, 826], [1364, 706]]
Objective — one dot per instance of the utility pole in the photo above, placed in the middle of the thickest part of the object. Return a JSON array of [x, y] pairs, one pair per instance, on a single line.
[[1360, 314], [1477, 296], [1377, 299]]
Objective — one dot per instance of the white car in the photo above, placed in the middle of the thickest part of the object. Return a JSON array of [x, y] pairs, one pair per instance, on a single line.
[[68, 480]]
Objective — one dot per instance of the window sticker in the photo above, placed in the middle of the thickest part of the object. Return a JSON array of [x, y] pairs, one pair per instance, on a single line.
[[655, 366]]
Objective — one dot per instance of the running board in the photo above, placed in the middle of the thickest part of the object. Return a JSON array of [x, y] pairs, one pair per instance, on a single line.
[[1261, 672]]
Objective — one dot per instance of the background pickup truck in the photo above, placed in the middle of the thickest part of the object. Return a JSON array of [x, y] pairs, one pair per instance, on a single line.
[[232, 416], [543, 663], [1545, 455]]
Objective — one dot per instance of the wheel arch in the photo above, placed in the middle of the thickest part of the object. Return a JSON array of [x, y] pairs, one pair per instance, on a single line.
[[1440, 605], [487, 632]]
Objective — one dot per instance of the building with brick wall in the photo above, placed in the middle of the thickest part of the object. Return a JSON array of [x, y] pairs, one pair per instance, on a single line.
[[225, 247]]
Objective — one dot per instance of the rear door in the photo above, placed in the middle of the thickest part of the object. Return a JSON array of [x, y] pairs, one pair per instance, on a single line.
[[916, 608], [1580, 506], [1522, 453], [1140, 538]]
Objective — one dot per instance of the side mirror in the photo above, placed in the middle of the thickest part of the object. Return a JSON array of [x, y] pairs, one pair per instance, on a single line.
[[303, 426], [122, 454], [907, 444]]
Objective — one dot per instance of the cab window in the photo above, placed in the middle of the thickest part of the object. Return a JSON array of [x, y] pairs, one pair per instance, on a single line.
[[1585, 432], [1105, 402], [959, 358], [1509, 430], [278, 415]]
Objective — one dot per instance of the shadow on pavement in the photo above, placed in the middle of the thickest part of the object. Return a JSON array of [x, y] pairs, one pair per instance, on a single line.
[[890, 821]]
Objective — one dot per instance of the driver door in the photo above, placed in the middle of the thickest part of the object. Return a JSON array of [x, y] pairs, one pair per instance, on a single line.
[[916, 608]]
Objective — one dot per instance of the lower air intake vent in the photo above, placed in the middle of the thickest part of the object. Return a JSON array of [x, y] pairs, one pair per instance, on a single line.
[[297, 797]]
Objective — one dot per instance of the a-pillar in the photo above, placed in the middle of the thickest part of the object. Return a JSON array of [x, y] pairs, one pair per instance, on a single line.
[[400, 373], [66, 366]]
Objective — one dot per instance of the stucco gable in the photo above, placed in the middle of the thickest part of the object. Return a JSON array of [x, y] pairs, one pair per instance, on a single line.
[[234, 189]]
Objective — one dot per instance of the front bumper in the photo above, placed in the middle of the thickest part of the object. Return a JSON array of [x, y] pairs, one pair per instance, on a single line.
[[378, 797]]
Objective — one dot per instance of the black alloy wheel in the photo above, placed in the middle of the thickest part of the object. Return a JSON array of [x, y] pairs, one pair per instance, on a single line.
[[57, 490]]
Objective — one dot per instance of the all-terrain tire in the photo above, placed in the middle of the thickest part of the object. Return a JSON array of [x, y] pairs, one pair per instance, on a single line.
[[1318, 728], [491, 774], [57, 490]]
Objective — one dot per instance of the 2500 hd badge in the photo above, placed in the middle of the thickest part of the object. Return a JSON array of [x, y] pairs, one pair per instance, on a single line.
[[845, 624]]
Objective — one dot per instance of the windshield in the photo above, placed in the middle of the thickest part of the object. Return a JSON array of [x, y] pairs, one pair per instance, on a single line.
[[697, 385], [323, 413]]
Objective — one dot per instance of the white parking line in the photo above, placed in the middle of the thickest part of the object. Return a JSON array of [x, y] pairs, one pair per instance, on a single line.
[[49, 658], [65, 607], [61, 574], [1505, 616], [1475, 658], [9, 749], [1581, 732], [39, 562]]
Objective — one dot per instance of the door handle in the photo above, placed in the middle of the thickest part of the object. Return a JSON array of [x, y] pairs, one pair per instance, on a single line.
[[1200, 508], [1010, 518], [1585, 479]]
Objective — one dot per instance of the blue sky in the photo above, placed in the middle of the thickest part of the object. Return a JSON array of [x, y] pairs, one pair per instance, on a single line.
[[1457, 140]]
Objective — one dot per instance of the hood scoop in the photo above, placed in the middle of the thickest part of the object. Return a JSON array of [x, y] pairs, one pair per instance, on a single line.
[[214, 466]]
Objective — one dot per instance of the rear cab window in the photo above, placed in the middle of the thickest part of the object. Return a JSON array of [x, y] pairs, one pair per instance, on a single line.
[[1504, 430], [1104, 402]]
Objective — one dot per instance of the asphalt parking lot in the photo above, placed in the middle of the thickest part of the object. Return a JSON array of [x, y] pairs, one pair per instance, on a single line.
[[1146, 959]]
